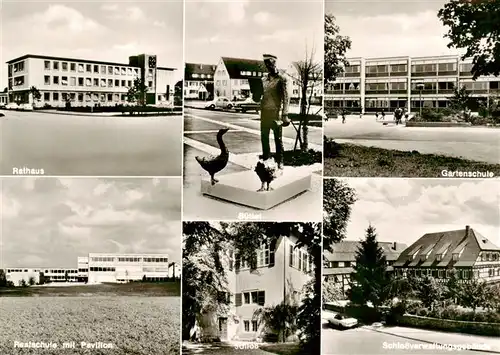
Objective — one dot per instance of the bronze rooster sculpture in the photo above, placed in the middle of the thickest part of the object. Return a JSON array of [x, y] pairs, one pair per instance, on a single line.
[[214, 164], [267, 172]]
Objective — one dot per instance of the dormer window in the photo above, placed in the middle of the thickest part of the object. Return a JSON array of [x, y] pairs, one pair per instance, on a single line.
[[456, 256], [439, 257], [195, 75]]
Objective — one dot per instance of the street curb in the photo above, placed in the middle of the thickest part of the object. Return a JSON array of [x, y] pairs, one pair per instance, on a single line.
[[430, 342], [103, 115]]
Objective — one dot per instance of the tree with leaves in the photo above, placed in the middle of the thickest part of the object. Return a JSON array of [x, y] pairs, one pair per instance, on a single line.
[[66, 276], [473, 294], [136, 94], [35, 94], [370, 279], [338, 198], [473, 26], [280, 319], [3, 278], [31, 281], [452, 288], [461, 100], [332, 291], [429, 291], [336, 47]]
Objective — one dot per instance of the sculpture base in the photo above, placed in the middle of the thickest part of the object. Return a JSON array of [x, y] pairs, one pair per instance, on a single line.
[[241, 187]]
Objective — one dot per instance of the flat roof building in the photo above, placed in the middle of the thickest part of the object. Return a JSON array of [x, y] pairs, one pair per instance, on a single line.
[[376, 84], [85, 82]]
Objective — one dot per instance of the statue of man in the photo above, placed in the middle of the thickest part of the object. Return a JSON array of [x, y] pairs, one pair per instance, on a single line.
[[273, 109]]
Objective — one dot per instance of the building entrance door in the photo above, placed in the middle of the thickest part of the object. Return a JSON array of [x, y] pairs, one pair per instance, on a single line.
[[223, 328]]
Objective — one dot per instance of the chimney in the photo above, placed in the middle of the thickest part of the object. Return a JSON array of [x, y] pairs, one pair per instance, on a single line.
[[395, 245], [201, 66], [467, 230]]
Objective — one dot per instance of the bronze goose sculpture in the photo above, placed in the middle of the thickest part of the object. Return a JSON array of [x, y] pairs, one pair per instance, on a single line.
[[266, 171], [214, 164]]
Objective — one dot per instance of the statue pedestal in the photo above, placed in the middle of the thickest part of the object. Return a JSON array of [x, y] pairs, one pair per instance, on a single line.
[[241, 187]]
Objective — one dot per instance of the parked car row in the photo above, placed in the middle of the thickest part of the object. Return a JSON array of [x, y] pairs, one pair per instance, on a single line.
[[223, 103], [21, 107]]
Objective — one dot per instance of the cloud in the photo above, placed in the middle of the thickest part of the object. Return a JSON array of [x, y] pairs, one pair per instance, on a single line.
[[119, 215], [131, 13], [262, 18], [403, 210], [160, 24]]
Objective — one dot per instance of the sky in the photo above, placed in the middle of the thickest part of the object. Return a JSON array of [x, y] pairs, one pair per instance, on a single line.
[[97, 30], [403, 210], [385, 28], [250, 28], [49, 222]]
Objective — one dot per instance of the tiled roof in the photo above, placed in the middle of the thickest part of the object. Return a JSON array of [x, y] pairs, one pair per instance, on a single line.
[[468, 240], [199, 68], [346, 250], [235, 66]]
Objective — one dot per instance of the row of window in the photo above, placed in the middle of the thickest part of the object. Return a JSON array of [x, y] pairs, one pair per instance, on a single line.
[[81, 97], [127, 259], [334, 264], [202, 76], [427, 86], [250, 297], [415, 68], [155, 269], [95, 82], [490, 256], [246, 325], [44, 271], [103, 269], [439, 274], [90, 68]]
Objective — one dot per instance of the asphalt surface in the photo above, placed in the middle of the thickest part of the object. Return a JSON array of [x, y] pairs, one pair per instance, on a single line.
[[91, 146], [475, 143], [202, 126]]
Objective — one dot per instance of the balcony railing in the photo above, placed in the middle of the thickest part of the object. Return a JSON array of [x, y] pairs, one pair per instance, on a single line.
[[424, 92], [443, 73], [375, 75], [398, 91], [377, 91], [353, 91], [465, 73], [421, 74], [446, 91], [399, 74], [352, 75]]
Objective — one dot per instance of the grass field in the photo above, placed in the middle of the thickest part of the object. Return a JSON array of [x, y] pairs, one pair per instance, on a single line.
[[144, 289], [133, 325], [349, 160]]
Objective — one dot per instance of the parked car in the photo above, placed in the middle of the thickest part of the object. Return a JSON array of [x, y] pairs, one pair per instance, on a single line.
[[342, 321], [223, 103], [247, 105], [210, 105], [12, 106], [26, 107]]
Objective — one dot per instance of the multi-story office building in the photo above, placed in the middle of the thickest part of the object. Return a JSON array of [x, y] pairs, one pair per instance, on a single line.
[[314, 91], [87, 82], [199, 81], [127, 267], [174, 270], [383, 84], [464, 253], [338, 266], [83, 268], [281, 273]]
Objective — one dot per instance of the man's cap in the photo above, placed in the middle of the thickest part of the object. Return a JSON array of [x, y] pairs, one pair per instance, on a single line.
[[269, 56]]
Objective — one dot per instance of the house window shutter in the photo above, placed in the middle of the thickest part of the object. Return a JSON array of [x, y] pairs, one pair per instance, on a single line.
[[237, 300], [261, 298], [272, 248]]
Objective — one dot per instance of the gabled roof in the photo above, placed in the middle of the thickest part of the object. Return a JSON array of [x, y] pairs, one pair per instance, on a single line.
[[235, 66], [199, 68], [468, 240], [346, 250]]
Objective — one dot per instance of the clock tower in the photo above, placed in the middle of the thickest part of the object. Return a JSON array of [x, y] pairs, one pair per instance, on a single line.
[[147, 63]]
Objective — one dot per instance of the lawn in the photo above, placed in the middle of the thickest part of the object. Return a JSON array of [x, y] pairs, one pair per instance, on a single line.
[[349, 160], [283, 349], [165, 289], [133, 325]]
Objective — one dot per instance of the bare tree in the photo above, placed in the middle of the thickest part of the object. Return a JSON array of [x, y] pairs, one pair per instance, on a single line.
[[308, 74]]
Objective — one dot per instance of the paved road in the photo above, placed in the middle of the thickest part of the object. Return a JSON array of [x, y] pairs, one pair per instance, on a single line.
[[222, 349], [474, 143], [373, 341], [87, 145], [243, 142], [245, 120]]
